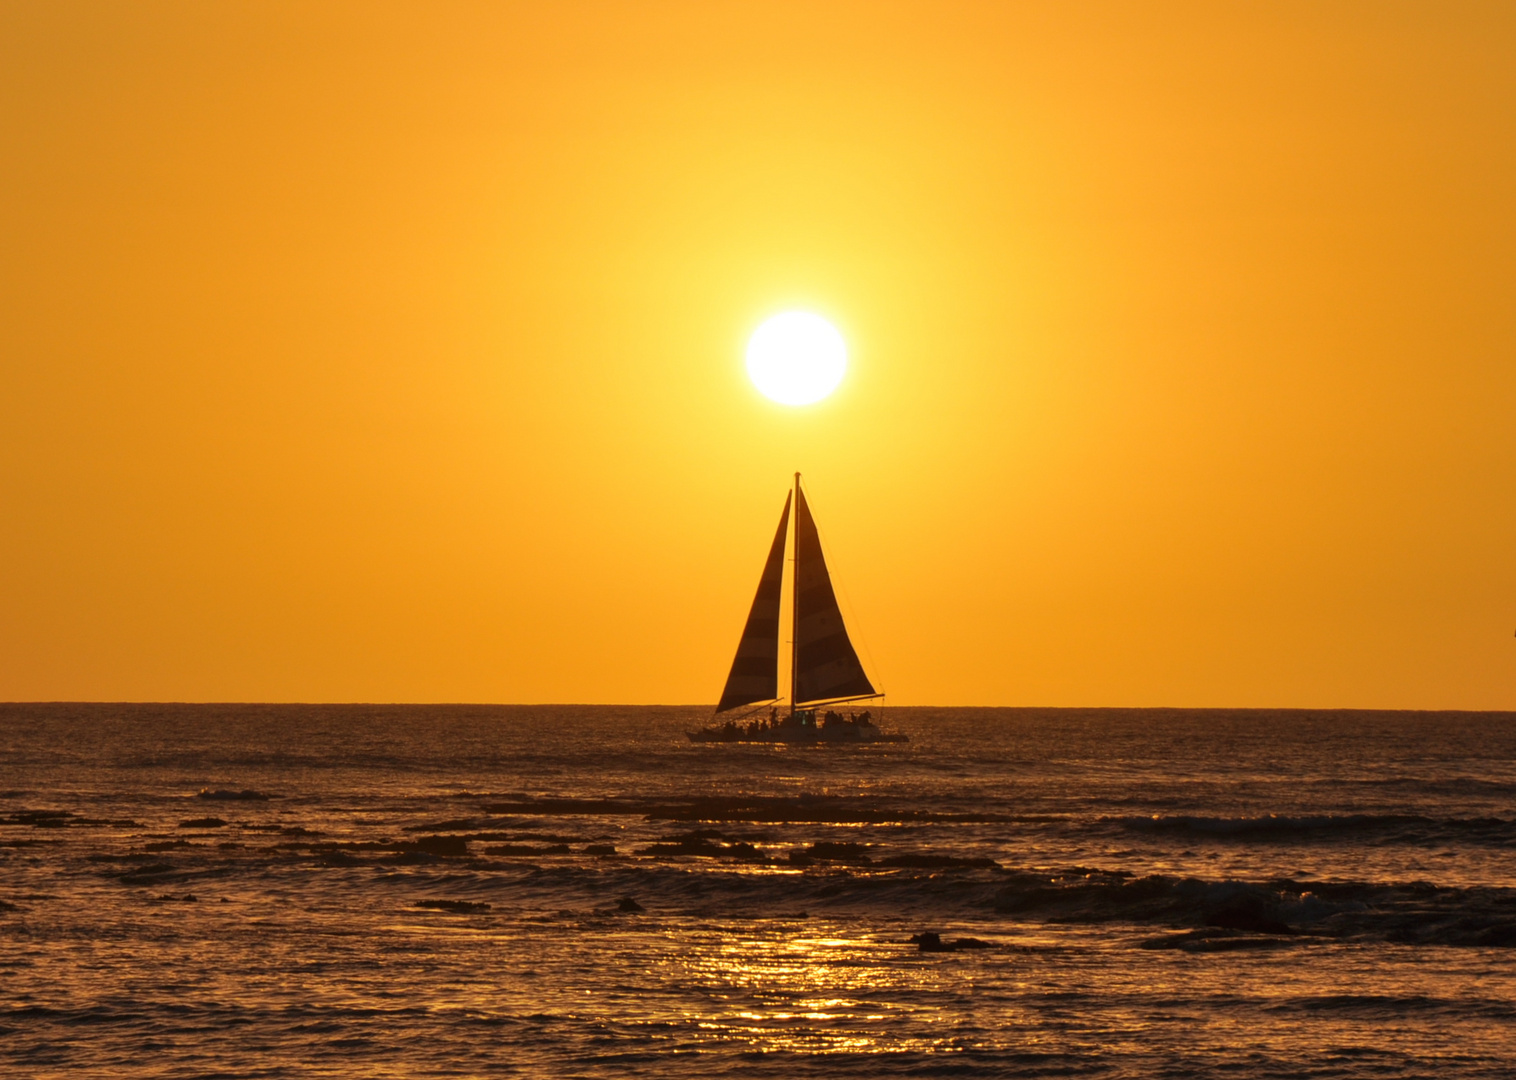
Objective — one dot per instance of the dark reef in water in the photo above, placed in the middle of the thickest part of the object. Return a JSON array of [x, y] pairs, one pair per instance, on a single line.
[[524, 850], [931, 941], [459, 907], [838, 851], [437, 845]]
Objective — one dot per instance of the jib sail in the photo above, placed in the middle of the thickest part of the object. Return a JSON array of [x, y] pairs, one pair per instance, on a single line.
[[755, 669]]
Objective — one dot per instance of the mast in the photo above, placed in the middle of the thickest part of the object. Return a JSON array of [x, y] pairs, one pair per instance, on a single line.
[[795, 606]]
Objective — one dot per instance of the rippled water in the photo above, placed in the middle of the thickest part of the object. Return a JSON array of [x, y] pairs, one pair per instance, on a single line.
[[426, 891]]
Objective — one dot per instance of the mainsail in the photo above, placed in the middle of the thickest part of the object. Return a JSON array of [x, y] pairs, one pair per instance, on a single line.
[[826, 666], [755, 671]]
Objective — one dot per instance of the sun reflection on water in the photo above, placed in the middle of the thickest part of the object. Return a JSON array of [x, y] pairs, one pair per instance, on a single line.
[[810, 989]]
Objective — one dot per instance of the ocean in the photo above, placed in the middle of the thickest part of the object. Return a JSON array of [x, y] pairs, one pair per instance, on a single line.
[[561, 891]]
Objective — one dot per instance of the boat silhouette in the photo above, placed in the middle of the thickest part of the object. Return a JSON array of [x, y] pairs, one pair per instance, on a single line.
[[825, 671]]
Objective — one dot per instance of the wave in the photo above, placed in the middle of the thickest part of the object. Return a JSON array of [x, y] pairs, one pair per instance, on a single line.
[[1377, 1006], [1413, 913], [1191, 913], [766, 810], [873, 810], [1388, 827], [741, 872]]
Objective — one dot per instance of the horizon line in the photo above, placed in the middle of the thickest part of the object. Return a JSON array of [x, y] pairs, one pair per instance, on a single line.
[[707, 706]]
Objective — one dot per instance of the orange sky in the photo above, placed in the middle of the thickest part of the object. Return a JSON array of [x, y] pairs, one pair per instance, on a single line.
[[394, 352]]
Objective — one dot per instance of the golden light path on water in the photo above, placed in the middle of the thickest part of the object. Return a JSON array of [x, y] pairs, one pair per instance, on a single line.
[[816, 990], [781, 984], [824, 987]]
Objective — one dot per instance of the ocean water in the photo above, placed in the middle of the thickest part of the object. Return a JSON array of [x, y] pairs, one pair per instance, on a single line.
[[418, 891]]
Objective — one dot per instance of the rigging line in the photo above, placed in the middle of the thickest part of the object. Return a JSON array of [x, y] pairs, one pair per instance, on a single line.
[[850, 614], [818, 702]]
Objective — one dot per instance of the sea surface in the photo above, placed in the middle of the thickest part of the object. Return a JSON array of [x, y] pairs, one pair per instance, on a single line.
[[420, 891]]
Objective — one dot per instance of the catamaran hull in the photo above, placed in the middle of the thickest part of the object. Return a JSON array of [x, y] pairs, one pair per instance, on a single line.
[[801, 738]]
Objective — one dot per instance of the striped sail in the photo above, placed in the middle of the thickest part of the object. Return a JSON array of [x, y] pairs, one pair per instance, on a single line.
[[755, 670], [826, 666]]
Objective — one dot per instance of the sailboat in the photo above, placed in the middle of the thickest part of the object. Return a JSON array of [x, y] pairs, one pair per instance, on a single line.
[[824, 668]]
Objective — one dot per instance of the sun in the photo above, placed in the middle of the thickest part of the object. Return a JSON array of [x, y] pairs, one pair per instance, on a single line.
[[796, 358]]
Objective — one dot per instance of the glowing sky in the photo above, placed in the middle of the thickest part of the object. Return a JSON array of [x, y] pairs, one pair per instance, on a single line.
[[395, 352]]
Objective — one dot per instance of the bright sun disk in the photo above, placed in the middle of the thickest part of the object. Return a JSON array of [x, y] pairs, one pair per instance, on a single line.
[[796, 358]]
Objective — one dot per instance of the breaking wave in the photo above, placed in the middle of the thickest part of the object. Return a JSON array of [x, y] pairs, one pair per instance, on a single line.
[[1411, 828], [1410, 913]]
